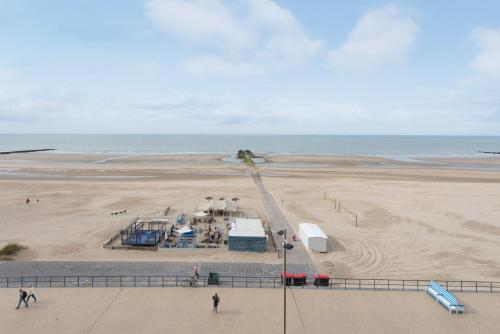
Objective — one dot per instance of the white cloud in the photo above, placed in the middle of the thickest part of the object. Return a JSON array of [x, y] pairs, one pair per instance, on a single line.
[[245, 37], [329, 112], [268, 13], [208, 64], [292, 50], [19, 109], [380, 37], [487, 60], [202, 20]]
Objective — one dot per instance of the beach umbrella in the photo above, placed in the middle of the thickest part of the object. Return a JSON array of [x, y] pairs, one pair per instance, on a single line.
[[221, 199], [208, 198], [235, 200]]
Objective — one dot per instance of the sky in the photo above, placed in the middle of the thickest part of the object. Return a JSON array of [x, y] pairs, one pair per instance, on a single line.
[[250, 67]]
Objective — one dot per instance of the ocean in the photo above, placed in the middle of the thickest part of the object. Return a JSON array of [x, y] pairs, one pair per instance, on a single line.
[[267, 144]]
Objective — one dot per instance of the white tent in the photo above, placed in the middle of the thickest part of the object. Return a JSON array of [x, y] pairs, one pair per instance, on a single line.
[[218, 205], [184, 230], [312, 237], [206, 206], [200, 214], [225, 204]]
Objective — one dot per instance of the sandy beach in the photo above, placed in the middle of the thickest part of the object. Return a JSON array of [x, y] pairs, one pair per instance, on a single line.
[[415, 219]]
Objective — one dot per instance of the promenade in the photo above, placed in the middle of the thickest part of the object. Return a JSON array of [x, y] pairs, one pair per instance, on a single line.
[[186, 310]]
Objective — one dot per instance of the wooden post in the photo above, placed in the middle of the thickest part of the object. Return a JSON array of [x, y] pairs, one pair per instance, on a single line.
[[356, 220]]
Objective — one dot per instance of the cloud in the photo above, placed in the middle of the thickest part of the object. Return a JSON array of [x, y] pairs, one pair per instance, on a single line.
[[245, 37], [380, 37], [210, 63], [487, 60], [188, 104], [28, 109], [267, 13], [201, 20], [292, 50], [223, 110]]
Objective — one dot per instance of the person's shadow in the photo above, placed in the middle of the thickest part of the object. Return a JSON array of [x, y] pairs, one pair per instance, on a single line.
[[229, 312]]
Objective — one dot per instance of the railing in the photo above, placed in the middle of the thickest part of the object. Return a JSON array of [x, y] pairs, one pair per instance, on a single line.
[[243, 282]]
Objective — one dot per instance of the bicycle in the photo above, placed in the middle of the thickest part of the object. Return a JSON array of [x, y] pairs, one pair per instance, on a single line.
[[190, 282]]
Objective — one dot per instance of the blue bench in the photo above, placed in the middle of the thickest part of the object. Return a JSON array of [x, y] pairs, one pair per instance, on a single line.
[[444, 297]]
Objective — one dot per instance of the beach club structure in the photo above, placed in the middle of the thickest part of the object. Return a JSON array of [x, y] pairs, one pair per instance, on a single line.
[[247, 235], [313, 237], [200, 217], [144, 233], [222, 206]]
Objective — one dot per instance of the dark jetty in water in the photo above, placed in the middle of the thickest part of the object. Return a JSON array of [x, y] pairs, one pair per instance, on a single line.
[[246, 153], [486, 152], [28, 151]]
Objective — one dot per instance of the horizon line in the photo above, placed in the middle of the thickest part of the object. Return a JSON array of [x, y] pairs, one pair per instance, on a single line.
[[241, 134]]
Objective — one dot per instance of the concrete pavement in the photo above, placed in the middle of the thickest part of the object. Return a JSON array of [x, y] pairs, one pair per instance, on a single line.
[[178, 310]]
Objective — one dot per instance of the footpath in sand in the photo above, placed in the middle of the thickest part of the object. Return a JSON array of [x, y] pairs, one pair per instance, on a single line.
[[177, 310], [298, 258]]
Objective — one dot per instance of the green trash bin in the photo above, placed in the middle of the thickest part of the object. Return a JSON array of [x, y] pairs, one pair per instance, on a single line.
[[213, 279]]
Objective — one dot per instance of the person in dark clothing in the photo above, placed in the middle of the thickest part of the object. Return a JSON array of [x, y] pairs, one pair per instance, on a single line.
[[216, 301], [22, 298]]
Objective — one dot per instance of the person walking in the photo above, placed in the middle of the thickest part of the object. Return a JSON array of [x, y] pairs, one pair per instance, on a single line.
[[22, 298], [195, 271], [31, 293], [216, 301]]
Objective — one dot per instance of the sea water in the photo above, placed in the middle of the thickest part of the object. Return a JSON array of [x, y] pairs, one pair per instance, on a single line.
[[267, 144]]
